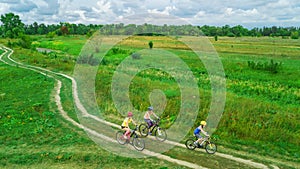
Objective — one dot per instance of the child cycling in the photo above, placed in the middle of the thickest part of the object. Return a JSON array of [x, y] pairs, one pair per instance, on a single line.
[[199, 130], [125, 124], [147, 117]]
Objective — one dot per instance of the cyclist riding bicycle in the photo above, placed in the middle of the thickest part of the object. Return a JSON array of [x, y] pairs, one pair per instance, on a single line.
[[147, 117], [198, 130], [125, 124]]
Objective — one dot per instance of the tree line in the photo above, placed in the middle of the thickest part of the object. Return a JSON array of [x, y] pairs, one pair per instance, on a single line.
[[190, 30], [13, 27]]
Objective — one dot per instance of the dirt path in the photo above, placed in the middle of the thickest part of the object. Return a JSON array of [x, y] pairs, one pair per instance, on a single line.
[[81, 108], [86, 114]]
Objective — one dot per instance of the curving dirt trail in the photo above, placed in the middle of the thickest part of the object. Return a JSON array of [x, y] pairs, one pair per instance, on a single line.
[[81, 108], [79, 105]]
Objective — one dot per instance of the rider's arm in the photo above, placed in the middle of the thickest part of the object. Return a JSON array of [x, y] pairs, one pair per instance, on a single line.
[[155, 115], [204, 132], [150, 116], [134, 122]]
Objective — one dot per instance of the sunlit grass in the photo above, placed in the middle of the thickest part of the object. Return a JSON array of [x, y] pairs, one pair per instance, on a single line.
[[34, 135], [258, 102]]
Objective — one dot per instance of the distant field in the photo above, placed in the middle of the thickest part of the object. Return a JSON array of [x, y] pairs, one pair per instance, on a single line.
[[258, 103]]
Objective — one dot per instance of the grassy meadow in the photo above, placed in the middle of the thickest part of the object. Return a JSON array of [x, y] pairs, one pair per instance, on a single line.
[[262, 106], [34, 135], [261, 117]]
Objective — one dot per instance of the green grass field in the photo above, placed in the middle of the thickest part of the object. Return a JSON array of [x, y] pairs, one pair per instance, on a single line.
[[261, 117], [34, 135], [262, 108]]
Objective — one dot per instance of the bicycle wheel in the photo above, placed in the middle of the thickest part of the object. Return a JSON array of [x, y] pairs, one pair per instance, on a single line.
[[138, 143], [211, 148], [120, 138], [143, 129], [190, 144], [160, 134]]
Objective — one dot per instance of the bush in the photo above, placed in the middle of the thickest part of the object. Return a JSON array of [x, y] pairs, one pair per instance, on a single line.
[[230, 34], [91, 60], [117, 50], [50, 35], [150, 44], [10, 44], [136, 56], [271, 66], [216, 38], [25, 41], [295, 35]]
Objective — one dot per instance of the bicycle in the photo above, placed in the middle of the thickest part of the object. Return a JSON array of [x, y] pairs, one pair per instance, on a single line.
[[137, 142], [159, 133], [207, 144]]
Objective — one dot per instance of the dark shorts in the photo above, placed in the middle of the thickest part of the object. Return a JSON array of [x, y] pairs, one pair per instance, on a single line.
[[123, 127], [149, 122], [198, 135]]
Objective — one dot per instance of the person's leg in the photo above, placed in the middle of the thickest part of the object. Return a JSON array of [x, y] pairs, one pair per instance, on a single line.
[[198, 140], [149, 123], [127, 132]]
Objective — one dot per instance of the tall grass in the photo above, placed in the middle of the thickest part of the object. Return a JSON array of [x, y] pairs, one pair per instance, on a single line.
[[34, 135], [258, 102], [262, 109]]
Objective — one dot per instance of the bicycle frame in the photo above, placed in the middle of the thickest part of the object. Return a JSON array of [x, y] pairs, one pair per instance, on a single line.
[[132, 139], [206, 140], [132, 132], [206, 143], [156, 124]]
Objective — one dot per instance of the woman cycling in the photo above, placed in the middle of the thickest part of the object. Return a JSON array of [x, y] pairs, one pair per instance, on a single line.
[[198, 130], [125, 124], [147, 116]]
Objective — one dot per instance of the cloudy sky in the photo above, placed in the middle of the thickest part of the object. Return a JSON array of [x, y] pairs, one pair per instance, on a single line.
[[248, 13]]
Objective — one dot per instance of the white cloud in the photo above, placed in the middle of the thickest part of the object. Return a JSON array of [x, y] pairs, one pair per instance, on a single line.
[[81, 14], [4, 8], [40, 3], [200, 14], [251, 12], [166, 11], [229, 11], [10, 1], [278, 4], [128, 11], [103, 7], [241, 12]]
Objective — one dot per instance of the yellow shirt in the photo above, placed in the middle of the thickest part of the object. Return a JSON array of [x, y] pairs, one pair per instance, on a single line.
[[126, 122]]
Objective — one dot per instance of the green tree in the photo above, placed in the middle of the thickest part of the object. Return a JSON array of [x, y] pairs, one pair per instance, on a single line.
[[1, 31], [150, 44], [42, 29], [225, 30], [64, 30], [25, 41], [295, 35], [216, 38], [50, 34], [12, 25]]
